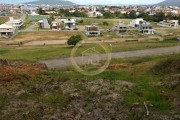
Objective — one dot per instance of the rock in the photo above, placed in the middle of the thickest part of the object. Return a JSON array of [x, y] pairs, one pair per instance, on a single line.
[[135, 104], [20, 92], [177, 117], [3, 62], [75, 95], [25, 114], [94, 88], [53, 118], [78, 116], [82, 111]]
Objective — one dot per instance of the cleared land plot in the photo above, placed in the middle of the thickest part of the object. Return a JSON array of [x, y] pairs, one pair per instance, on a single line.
[[166, 31], [37, 18], [89, 21], [6, 18], [46, 42], [46, 35]]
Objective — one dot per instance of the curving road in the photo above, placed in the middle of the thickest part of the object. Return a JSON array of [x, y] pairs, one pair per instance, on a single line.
[[66, 62]]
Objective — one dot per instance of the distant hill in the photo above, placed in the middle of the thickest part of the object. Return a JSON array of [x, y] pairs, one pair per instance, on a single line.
[[51, 2], [169, 3]]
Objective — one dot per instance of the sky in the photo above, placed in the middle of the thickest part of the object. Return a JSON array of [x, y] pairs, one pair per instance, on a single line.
[[85, 2]]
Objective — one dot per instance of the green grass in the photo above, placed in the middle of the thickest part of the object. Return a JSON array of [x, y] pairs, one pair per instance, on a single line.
[[57, 99], [3, 19], [37, 18], [37, 28], [89, 21], [6, 19]]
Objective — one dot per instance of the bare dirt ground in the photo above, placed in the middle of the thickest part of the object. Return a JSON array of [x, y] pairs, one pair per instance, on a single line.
[[64, 42], [43, 35], [47, 42], [20, 70]]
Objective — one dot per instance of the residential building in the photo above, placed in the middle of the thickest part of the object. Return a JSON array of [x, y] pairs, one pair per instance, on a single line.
[[43, 23], [56, 24], [169, 23], [174, 23], [145, 28], [15, 11], [94, 14], [17, 23], [92, 30], [69, 24], [120, 28], [7, 30], [4, 7], [135, 22], [3, 13]]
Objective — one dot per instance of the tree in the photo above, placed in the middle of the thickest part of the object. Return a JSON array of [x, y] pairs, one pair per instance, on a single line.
[[160, 16], [105, 23], [108, 15], [41, 11], [132, 14], [81, 21], [73, 40]]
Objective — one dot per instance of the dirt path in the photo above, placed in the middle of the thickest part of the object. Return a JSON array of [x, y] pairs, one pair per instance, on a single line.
[[65, 62], [46, 42]]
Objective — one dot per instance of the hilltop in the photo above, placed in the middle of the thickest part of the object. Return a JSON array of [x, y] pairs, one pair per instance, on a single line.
[[51, 2], [169, 3]]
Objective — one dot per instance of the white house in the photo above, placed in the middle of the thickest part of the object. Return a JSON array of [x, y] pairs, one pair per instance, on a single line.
[[169, 23], [7, 29], [56, 24], [94, 14], [33, 14], [92, 30], [145, 28], [43, 23], [174, 23], [70, 24], [17, 23], [174, 12], [135, 22]]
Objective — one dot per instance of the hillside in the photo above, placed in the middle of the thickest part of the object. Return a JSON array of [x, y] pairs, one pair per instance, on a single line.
[[51, 2], [169, 3], [31, 91]]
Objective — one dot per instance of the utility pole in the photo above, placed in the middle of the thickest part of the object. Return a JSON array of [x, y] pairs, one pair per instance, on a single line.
[[178, 45]]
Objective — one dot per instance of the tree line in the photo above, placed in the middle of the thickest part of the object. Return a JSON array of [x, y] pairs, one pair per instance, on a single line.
[[64, 13], [132, 15], [108, 15]]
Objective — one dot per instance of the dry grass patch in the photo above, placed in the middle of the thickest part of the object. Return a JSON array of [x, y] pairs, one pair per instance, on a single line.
[[172, 31], [4, 19], [46, 35]]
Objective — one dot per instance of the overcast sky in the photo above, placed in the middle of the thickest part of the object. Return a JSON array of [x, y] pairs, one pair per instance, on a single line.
[[95, 1]]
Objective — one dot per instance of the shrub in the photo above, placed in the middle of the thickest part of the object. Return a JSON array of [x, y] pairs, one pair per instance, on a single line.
[[73, 40]]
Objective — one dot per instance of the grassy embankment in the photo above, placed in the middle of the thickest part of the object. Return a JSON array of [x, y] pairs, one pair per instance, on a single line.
[[43, 95]]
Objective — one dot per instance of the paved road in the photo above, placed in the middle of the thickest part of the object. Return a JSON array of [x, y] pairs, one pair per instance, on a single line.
[[66, 62], [30, 28]]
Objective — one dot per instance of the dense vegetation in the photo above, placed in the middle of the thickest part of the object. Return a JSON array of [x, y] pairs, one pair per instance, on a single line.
[[132, 15], [73, 40]]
